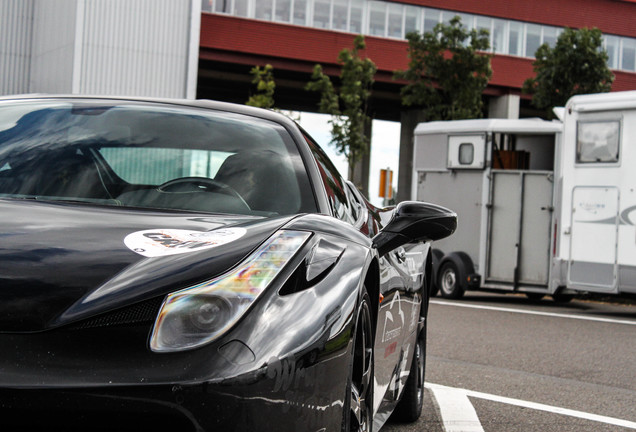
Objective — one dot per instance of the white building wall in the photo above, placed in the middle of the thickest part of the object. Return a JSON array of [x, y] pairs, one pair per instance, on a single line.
[[135, 48], [16, 25], [114, 47], [53, 46]]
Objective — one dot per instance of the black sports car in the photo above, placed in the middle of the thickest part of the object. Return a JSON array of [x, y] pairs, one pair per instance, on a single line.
[[202, 266]]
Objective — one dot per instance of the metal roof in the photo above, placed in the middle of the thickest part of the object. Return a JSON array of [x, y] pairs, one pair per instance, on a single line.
[[603, 101], [529, 126]]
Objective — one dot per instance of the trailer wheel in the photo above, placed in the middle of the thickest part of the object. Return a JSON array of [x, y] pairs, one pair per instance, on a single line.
[[448, 281], [534, 296], [562, 298], [437, 256]]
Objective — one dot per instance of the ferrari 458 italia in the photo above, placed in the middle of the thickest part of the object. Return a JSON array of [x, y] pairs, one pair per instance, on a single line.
[[196, 265]]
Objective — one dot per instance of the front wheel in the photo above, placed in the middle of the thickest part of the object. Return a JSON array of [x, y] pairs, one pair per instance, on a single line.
[[358, 405], [449, 281]]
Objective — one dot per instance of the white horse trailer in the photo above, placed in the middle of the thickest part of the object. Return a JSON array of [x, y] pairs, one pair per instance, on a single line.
[[498, 175], [596, 238], [544, 207]]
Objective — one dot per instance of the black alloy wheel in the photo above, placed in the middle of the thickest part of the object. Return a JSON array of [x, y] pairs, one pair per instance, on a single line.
[[409, 408], [359, 409]]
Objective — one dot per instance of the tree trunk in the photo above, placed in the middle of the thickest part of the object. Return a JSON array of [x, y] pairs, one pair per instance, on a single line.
[[359, 173]]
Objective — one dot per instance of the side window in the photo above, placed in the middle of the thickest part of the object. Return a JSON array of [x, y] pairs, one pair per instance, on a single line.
[[358, 207], [355, 206], [597, 141], [334, 184]]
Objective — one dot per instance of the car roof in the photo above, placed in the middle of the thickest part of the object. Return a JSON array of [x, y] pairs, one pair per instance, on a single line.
[[196, 103]]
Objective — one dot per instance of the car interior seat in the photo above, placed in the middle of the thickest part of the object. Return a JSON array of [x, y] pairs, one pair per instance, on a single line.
[[264, 179]]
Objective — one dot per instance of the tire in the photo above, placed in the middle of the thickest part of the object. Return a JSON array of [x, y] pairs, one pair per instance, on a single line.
[[562, 298], [534, 296], [437, 255], [448, 281], [409, 408], [358, 407]]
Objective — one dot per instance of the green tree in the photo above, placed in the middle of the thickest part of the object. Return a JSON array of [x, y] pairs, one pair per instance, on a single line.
[[265, 86], [576, 65], [448, 71], [348, 104]]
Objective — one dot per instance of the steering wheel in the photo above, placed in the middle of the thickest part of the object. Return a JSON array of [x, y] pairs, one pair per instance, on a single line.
[[198, 184]]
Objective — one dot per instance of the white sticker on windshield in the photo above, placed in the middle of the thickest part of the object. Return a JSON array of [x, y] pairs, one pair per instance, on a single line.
[[163, 242]]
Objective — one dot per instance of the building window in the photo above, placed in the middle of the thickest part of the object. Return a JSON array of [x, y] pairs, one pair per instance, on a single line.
[[628, 54], [322, 13], [222, 6], [412, 19], [498, 36], [263, 10], [300, 12], [467, 20], [340, 14], [283, 10], [533, 39], [550, 35], [611, 46], [483, 23], [432, 17], [396, 15], [514, 38], [377, 18], [241, 8], [355, 16]]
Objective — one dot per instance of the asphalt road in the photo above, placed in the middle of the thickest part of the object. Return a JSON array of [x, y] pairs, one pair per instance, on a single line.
[[500, 363]]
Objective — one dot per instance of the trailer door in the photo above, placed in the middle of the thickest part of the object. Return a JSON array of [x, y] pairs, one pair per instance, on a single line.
[[520, 224], [594, 237]]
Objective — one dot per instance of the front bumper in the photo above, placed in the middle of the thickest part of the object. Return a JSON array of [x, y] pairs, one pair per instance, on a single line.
[[107, 379], [166, 407]]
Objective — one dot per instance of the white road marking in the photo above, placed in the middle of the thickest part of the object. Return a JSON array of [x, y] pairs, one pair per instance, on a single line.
[[462, 393], [531, 312], [458, 414]]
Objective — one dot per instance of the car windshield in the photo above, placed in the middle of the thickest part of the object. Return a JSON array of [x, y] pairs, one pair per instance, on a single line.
[[147, 155]]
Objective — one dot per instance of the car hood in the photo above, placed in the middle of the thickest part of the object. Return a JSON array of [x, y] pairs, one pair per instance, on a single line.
[[61, 263]]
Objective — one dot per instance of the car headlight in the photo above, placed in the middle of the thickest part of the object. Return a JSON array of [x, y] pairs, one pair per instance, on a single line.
[[197, 315]]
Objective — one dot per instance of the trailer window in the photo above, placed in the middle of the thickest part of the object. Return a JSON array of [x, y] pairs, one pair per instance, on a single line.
[[466, 153], [597, 141]]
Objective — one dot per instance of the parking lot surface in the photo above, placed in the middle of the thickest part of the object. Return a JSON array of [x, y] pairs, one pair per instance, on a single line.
[[502, 363]]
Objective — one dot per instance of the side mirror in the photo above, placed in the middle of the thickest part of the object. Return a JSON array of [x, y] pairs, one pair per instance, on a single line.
[[415, 221]]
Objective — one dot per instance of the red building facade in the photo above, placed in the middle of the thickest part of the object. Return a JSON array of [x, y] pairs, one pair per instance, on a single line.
[[293, 35]]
